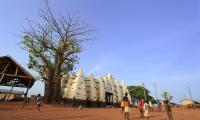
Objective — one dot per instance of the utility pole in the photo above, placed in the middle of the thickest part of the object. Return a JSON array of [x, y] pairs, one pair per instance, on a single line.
[[155, 90], [144, 92], [189, 92]]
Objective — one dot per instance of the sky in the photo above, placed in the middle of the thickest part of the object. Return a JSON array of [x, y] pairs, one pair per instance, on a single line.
[[138, 41]]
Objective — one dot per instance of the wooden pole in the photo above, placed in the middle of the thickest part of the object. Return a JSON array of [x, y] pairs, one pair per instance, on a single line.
[[11, 75], [155, 90], [144, 92], [2, 73], [16, 71], [190, 92], [26, 94]]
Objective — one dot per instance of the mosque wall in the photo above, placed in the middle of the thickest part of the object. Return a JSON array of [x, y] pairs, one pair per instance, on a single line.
[[103, 89]]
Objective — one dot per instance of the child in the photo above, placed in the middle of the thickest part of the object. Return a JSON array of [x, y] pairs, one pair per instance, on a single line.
[[126, 109], [126, 106], [168, 110], [146, 110], [38, 101]]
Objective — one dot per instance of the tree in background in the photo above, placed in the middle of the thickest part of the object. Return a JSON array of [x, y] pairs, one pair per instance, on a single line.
[[53, 45], [137, 92], [166, 96]]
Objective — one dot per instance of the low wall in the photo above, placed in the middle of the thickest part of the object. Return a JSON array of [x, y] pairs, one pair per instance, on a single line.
[[85, 103]]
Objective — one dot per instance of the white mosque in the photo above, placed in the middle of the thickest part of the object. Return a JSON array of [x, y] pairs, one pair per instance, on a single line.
[[103, 88]]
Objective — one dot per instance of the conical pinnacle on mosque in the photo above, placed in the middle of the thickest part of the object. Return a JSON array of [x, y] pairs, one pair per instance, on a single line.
[[123, 83], [90, 76], [99, 78], [80, 72]]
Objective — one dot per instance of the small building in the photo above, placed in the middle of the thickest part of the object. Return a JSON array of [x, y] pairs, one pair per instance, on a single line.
[[186, 102]]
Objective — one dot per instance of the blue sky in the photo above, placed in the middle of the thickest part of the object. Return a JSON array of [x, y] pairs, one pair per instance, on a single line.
[[137, 40]]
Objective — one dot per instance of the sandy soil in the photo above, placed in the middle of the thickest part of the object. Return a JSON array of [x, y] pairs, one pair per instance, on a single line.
[[14, 111]]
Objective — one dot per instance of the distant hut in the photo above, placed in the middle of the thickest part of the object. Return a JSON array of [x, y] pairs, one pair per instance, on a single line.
[[186, 102], [189, 103]]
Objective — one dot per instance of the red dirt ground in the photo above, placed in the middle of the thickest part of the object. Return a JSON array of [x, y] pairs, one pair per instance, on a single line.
[[14, 111]]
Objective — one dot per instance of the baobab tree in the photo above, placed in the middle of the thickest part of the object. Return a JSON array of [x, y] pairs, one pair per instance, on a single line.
[[53, 45]]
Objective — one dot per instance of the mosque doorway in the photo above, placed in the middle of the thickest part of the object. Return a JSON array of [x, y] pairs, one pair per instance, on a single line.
[[109, 98]]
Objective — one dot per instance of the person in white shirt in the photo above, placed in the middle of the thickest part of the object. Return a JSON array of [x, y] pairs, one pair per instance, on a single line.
[[146, 109]]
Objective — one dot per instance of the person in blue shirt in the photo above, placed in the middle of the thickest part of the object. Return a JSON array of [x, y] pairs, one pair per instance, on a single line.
[[158, 105]]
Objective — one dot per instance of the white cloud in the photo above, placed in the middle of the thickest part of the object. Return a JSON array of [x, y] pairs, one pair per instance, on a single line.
[[104, 64], [96, 68]]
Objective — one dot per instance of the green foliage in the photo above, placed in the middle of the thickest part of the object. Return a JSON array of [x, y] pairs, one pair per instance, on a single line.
[[137, 92]]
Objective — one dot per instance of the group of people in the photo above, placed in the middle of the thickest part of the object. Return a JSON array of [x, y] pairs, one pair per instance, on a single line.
[[147, 106], [144, 106]]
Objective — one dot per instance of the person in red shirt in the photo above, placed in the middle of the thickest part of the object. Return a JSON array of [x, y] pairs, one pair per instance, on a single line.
[[140, 107]]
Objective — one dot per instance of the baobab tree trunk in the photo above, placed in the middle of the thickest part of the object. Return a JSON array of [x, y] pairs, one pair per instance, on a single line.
[[47, 93], [53, 84], [48, 86], [59, 61]]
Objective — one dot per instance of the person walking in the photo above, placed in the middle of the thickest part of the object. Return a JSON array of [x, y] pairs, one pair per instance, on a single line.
[[38, 101], [158, 105], [168, 110], [74, 102]]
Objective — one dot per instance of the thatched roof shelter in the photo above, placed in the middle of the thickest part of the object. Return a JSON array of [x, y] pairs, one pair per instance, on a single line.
[[12, 74]]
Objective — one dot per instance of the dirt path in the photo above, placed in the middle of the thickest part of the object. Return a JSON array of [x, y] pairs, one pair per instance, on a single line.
[[48, 112]]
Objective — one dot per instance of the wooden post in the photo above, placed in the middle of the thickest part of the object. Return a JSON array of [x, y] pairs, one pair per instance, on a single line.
[[26, 94], [16, 71], [190, 92], [155, 90], [4, 71], [144, 92]]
